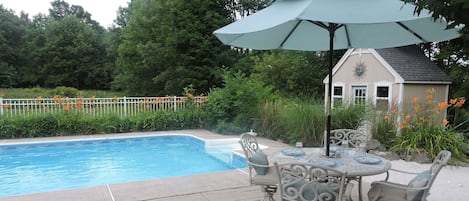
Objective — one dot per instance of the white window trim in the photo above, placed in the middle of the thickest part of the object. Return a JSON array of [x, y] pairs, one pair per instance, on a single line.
[[341, 96], [389, 98]]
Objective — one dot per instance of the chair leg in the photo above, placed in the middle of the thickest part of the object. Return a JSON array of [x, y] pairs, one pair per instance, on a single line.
[[360, 198], [269, 192]]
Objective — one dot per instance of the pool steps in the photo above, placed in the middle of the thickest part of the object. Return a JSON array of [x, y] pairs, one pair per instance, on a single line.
[[228, 151]]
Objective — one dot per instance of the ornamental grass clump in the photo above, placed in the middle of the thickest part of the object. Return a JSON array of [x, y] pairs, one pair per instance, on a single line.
[[425, 128]]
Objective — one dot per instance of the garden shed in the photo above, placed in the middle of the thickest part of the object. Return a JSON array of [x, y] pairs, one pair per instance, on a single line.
[[387, 78]]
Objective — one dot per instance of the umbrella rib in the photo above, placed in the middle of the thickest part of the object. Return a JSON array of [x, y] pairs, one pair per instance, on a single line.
[[320, 24], [412, 32], [347, 36], [290, 33], [331, 28]]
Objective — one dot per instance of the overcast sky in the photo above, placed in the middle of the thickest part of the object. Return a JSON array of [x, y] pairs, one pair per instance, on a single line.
[[103, 11]]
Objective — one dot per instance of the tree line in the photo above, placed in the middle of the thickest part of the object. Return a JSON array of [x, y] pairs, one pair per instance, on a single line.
[[159, 47]]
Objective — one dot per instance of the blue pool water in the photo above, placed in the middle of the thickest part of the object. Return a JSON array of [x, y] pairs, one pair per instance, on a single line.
[[42, 167]]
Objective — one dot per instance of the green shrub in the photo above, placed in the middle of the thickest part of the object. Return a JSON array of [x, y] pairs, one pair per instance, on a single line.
[[348, 116], [431, 140], [236, 104], [383, 127], [270, 123], [66, 92], [75, 123], [305, 121]]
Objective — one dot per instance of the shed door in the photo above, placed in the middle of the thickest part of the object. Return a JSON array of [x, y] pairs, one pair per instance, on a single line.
[[359, 94]]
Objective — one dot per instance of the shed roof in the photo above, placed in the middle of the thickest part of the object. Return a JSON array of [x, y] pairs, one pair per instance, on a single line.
[[412, 65]]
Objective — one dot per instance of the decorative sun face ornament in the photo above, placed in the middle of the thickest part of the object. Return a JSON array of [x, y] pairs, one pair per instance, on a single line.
[[359, 69]]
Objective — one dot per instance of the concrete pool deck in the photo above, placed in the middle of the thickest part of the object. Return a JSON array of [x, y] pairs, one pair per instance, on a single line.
[[231, 185]]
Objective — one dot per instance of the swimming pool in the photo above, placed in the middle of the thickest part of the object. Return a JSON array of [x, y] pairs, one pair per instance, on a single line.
[[49, 166]]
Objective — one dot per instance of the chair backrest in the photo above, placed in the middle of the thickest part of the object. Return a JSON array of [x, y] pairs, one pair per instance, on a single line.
[[249, 144], [250, 147], [439, 162], [299, 181], [354, 137]]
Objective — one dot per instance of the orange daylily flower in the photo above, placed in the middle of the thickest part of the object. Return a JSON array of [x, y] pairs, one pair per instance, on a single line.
[[386, 117], [190, 96], [2, 94], [402, 125], [445, 122], [79, 104], [429, 97], [67, 107], [394, 111], [407, 117], [415, 99], [460, 102], [417, 108], [442, 105], [452, 101]]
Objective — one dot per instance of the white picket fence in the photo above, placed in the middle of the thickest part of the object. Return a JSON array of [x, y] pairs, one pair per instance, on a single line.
[[123, 106]]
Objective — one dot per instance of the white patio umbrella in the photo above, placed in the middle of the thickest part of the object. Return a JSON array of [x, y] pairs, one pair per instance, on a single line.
[[334, 24]]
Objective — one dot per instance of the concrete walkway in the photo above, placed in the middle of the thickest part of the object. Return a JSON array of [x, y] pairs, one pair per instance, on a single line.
[[230, 185]]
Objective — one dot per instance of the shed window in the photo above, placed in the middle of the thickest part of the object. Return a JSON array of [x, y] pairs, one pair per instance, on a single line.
[[337, 97], [382, 98]]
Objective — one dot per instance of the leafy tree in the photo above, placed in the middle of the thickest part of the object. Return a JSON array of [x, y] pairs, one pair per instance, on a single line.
[[451, 55], [248, 7], [168, 45], [35, 40], [74, 53], [123, 16], [12, 31], [61, 9], [292, 72]]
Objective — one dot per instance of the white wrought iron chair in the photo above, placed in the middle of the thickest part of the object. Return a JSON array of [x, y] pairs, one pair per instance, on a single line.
[[260, 173], [354, 139], [416, 190], [300, 181]]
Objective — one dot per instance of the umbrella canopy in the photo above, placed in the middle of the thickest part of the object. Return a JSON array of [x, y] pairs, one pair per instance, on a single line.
[[334, 24], [305, 25]]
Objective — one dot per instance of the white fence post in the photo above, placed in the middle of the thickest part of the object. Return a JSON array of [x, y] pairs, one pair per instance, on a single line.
[[175, 103], [125, 105]]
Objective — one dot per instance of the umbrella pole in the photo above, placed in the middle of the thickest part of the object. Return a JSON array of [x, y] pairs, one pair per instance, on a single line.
[[331, 28]]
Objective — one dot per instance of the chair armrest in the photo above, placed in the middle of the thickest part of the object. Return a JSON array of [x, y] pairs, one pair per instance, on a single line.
[[405, 172], [400, 171], [257, 164], [396, 185], [383, 190]]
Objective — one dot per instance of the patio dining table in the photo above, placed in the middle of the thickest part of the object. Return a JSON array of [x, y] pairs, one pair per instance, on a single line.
[[354, 164]]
